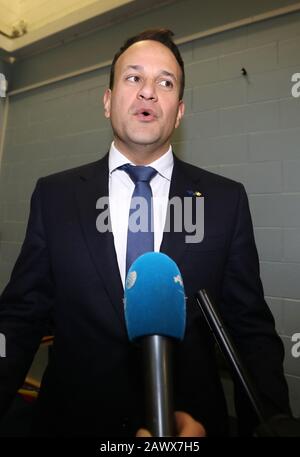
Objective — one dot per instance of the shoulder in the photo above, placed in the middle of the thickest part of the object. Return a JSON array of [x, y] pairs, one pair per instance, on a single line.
[[207, 179], [84, 171], [67, 180], [60, 187]]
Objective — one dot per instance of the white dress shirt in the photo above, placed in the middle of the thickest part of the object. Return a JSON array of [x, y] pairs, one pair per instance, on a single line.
[[121, 189]]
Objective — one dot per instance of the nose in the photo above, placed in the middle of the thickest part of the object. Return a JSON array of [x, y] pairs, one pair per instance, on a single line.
[[147, 91]]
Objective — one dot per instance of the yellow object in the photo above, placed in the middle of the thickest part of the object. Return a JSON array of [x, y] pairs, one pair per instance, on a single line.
[[28, 393]]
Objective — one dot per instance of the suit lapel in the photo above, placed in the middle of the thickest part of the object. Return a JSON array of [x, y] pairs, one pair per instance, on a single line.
[[92, 185], [173, 243]]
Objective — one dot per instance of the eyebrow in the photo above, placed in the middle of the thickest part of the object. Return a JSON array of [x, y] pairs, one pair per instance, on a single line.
[[141, 68]]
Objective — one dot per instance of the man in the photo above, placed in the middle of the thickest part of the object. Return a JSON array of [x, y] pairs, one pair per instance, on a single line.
[[71, 272]]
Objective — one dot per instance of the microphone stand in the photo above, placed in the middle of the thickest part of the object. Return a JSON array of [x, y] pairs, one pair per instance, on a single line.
[[281, 425]]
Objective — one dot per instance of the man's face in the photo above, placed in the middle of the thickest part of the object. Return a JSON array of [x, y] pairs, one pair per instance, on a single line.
[[144, 106]]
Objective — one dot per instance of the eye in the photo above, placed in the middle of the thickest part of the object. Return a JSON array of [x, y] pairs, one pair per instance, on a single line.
[[133, 78], [166, 83]]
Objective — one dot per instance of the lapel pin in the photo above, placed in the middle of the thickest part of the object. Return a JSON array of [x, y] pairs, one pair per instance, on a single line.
[[191, 193]]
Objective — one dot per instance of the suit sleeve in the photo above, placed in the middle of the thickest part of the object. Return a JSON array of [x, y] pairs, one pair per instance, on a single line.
[[249, 319], [25, 305]]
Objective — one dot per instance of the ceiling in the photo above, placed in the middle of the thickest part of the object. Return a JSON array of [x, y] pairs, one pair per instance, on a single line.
[[28, 25]]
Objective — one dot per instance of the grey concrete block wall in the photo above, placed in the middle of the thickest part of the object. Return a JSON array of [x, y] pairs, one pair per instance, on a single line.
[[185, 17], [1, 115], [51, 129], [4, 71], [254, 137], [244, 127]]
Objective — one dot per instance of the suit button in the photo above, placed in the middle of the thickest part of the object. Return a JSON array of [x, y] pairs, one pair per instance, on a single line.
[[125, 422]]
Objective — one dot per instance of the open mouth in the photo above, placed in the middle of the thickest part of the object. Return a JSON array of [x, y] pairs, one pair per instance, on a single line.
[[145, 115]]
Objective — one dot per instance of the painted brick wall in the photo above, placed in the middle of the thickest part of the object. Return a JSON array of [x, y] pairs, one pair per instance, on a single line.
[[52, 129], [246, 128]]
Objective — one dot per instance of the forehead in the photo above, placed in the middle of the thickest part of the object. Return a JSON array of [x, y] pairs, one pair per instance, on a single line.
[[149, 53]]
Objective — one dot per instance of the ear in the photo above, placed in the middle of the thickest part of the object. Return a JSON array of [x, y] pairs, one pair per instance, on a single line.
[[107, 103], [180, 113]]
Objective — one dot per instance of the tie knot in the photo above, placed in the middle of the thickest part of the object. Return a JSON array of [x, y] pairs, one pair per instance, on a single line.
[[139, 172]]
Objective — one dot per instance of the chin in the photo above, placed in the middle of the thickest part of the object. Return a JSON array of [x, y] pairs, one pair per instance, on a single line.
[[144, 140]]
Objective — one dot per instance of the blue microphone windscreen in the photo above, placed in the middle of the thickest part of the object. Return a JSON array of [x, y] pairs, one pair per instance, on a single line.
[[154, 297]]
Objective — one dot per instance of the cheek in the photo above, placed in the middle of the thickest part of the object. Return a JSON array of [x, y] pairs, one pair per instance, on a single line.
[[171, 114], [121, 106], [117, 109]]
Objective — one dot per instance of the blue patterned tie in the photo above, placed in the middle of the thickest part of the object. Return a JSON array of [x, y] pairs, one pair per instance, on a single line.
[[139, 242]]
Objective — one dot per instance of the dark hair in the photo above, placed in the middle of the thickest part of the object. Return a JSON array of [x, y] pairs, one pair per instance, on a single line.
[[163, 36]]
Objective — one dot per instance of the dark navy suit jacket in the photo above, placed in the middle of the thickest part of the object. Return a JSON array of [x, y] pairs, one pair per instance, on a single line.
[[67, 274]]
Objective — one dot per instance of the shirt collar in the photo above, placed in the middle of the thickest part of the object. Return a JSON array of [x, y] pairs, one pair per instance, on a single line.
[[163, 165]]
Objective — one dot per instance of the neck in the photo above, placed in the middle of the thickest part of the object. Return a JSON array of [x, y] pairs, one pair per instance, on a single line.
[[142, 154]]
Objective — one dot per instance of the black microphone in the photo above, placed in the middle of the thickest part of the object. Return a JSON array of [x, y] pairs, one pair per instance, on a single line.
[[155, 313], [276, 426]]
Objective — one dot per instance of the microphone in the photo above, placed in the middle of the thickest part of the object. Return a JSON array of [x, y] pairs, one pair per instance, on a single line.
[[282, 425], [155, 316], [225, 343]]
